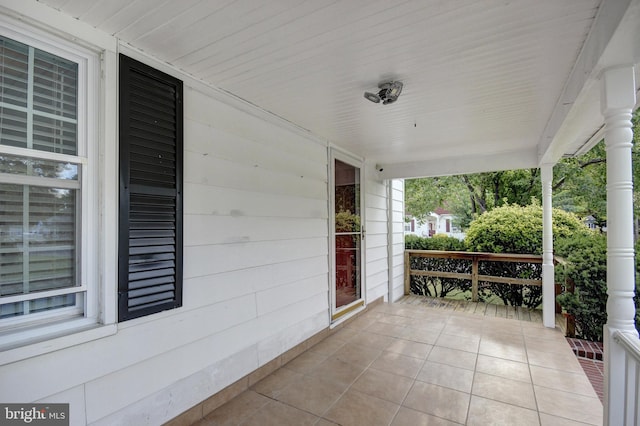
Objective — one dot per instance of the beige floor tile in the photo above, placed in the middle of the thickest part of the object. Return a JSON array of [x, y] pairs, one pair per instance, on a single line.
[[311, 394], [409, 417], [340, 372], [568, 405], [562, 380], [356, 409], [537, 330], [328, 346], [306, 362], [362, 322], [278, 414], [498, 336], [325, 422], [453, 357], [345, 333], [446, 375], [429, 323], [238, 409], [502, 326], [385, 329], [274, 383], [546, 345], [504, 390], [410, 348], [549, 420], [461, 343], [462, 330], [503, 368], [357, 354], [557, 361], [373, 340], [511, 351], [383, 385], [420, 335], [486, 412], [438, 401], [395, 363], [395, 319]]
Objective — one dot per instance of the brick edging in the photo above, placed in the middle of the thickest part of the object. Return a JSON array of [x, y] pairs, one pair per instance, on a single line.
[[586, 349]]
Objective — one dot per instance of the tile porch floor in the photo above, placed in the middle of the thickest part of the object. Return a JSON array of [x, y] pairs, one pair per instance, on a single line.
[[407, 364]]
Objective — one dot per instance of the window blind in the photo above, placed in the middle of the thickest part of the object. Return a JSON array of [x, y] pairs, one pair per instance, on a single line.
[[38, 218]]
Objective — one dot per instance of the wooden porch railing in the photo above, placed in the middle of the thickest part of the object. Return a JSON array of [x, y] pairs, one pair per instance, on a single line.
[[474, 276]]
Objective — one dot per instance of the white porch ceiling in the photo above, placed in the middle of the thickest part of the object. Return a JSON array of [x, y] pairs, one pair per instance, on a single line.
[[482, 79]]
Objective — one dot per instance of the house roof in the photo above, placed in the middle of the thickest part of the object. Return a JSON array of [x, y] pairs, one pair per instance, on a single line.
[[488, 85], [440, 211]]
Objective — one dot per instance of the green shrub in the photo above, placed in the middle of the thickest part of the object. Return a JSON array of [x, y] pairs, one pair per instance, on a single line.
[[437, 287], [637, 298], [439, 242], [587, 267], [517, 229]]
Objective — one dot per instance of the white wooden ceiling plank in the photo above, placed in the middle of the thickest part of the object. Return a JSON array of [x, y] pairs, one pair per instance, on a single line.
[[169, 23], [515, 50], [229, 28], [77, 8], [103, 10], [254, 37], [312, 32], [56, 4], [287, 36], [156, 18], [131, 14], [207, 24]]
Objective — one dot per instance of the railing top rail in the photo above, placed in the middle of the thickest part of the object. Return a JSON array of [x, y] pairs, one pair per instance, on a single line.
[[497, 257], [630, 344]]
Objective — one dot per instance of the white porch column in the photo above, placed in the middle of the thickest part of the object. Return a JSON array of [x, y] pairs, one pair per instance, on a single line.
[[548, 275], [617, 101]]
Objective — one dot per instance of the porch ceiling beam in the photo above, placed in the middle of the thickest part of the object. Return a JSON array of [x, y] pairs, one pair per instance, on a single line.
[[459, 165], [576, 116]]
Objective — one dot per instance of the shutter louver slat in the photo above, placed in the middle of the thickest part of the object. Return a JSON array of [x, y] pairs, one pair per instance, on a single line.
[[151, 202]]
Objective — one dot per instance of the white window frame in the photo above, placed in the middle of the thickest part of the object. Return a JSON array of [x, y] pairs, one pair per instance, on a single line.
[[19, 331]]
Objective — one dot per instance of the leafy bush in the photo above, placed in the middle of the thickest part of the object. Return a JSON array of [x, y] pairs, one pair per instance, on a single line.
[[587, 267], [438, 242], [517, 229], [637, 298], [437, 287]]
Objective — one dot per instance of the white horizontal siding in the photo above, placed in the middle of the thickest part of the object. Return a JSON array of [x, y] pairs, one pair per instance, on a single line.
[[397, 239], [218, 201], [213, 259], [203, 230], [376, 238]]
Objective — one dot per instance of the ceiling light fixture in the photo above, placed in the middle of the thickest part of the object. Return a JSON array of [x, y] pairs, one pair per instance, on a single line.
[[388, 94]]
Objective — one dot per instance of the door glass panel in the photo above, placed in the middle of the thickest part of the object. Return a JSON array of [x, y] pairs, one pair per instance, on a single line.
[[348, 233]]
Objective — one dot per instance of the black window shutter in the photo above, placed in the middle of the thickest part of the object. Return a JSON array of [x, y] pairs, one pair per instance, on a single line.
[[150, 234]]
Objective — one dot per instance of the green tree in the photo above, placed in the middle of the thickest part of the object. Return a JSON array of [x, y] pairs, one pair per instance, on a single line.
[[517, 229], [587, 267]]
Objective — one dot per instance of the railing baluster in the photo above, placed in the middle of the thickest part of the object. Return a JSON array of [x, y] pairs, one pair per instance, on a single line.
[[631, 347], [474, 279]]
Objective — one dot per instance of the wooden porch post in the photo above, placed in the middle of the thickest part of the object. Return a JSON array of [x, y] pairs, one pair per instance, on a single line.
[[617, 101], [548, 274]]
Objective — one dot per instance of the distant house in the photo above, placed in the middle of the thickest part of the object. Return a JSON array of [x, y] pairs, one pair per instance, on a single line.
[[440, 221], [590, 221]]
